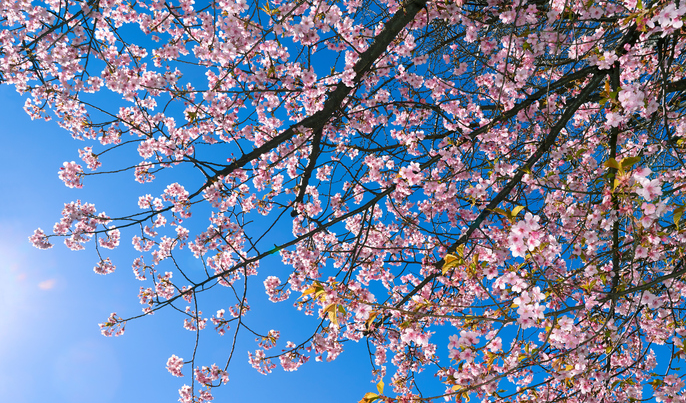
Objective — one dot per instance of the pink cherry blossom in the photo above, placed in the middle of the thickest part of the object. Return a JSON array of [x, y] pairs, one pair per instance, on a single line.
[[363, 165], [71, 174], [411, 173], [468, 338], [40, 240], [174, 365], [104, 267], [650, 189]]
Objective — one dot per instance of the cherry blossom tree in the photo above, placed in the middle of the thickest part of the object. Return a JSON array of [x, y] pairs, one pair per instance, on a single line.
[[487, 191]]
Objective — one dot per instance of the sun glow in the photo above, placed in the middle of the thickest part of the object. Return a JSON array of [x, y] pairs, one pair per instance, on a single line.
[[19, 289]]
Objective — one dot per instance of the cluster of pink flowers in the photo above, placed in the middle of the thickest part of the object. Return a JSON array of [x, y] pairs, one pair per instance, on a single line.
[[412, 335], [259, 361], [529, 309], [404, 154], [412, 174], [40, 240], [104, 267], [650, 189], [269, 341], [175, 365], [71, 174], [670, 18], [90, 158], [651, 301], [164, 287], [80, 222], [291, 360], [111, 239], [221, 325], [525, 236], [115, 326], [275, 290], [208, 375], [176, 194], [195, 322], [463, 347]]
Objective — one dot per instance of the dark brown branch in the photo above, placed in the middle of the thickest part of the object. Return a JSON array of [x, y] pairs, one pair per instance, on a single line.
[[335, 99], [542, 149], [307, 172]]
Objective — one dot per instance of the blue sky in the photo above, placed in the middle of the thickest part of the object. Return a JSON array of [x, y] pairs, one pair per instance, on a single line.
[[50, 344]]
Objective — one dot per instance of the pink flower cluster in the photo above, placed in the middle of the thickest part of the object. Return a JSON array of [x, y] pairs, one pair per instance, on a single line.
[[90, 158], [273, 288], [111, 240], [649, 189], [221, 325], [565, 334], [174, 365], [208, 375], [529, 308], [85, 222], [269, 341], [104, 267], [669, 18], [411, 334], [259, 361], [412, 174], [525, 235], [195, 322], [292, 360], [40, 240], [114, 326], [462, 347], [176, 194], [71, 174], [164, 288], [652, 212], [651, 301]]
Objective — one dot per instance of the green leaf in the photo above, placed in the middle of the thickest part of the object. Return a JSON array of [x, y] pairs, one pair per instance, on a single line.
[[308, 291], [369, 397], [405, 324], [612, 163], [516, 210], [331, 310], [460, 250], [628, 162], [379, 387], [678, 212], [315, 289], [500, 211], [450, 262]]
